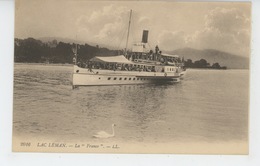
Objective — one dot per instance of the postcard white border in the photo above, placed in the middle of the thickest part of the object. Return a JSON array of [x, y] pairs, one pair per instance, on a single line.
[[7, 157]]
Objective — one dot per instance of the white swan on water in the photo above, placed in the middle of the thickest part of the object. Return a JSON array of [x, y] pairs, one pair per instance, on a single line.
[[103, 134]]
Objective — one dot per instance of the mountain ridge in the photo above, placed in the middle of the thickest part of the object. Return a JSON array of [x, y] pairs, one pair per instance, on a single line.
[[229, 60]]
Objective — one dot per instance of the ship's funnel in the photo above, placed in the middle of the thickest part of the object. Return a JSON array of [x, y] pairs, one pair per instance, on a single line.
[[145, 36]]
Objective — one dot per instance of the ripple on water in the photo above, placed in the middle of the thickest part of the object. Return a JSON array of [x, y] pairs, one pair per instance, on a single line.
[[201, 107]]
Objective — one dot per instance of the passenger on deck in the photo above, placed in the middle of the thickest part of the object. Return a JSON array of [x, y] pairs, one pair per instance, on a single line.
[[90, 67]]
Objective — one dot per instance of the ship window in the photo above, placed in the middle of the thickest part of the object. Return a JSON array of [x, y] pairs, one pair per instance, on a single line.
[[115, 78], [137, 78], [120, 78], [125, 78], [99, 78], [133, 78], [129, 78], [108, 78]]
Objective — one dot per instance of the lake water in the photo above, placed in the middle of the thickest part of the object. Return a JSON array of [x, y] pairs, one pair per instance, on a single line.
[[207, 105]]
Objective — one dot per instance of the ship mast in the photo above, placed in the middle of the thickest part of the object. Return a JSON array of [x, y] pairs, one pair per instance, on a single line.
[[128, 31]]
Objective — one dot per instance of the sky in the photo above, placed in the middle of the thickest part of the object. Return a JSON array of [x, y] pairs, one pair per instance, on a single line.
[[225, 26]]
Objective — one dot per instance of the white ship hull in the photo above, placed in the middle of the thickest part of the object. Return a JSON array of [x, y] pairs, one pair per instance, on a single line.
[[84, 77]]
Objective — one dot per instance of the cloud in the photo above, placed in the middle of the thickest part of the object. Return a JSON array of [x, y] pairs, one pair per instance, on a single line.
[[224, 29], [168, 40], [108, 25], [144, 21], [103, 25], [109, 30], [227, 20]]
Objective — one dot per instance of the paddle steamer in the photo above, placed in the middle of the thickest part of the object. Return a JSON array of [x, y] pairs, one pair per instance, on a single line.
[[141, 66]]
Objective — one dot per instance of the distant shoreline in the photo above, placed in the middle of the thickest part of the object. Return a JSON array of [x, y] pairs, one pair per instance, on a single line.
[[66, 64], [44, 64], [214, 69]]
